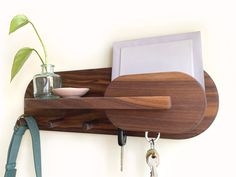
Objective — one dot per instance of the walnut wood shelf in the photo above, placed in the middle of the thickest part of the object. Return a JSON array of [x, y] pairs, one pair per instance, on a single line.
[[136, 103], [172, 103]]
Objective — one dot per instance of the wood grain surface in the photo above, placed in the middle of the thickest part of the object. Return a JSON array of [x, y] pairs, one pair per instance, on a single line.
[[118, 103], [187, 98], [96, 121]]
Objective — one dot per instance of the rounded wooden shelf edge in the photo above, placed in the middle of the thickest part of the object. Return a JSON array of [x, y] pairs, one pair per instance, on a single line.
[[187, 97]]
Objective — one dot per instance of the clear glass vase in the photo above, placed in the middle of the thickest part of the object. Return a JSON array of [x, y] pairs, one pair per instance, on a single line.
[[44, 83]]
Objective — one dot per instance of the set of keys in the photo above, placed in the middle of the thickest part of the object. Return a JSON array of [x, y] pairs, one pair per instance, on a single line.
[[152, 156]]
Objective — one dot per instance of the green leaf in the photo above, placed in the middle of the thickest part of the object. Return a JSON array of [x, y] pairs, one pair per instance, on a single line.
[[20, 58], [17, 22]]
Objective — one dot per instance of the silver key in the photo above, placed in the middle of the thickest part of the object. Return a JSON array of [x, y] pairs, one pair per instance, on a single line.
[[122, 137], [121, 157], [152, 159], [153, 172]]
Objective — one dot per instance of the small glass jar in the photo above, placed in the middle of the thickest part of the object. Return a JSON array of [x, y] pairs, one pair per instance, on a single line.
[[44, 83]]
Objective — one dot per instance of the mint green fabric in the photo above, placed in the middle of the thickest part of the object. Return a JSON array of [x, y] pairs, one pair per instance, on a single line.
[[15, 144]]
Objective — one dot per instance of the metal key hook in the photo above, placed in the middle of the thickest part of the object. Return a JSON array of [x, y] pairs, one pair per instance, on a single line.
[[21, 121], [152, 140]]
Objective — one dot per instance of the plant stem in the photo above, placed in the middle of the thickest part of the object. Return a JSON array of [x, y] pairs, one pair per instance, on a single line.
[[41, 59], [44, 49]]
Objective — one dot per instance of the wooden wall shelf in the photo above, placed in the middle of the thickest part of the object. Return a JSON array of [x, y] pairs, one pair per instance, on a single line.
[[171, 103], [136, 103]]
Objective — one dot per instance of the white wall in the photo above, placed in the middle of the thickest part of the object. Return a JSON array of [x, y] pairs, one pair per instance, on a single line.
[[79, 35]]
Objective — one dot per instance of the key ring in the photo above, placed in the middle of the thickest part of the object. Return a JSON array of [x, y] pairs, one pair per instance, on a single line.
[[152, 140]]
